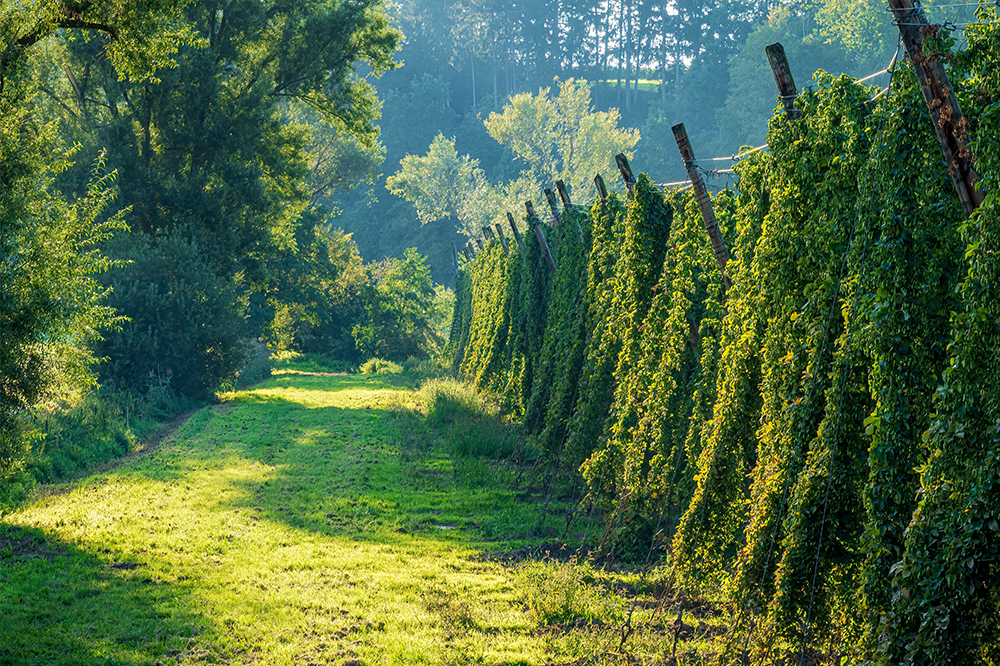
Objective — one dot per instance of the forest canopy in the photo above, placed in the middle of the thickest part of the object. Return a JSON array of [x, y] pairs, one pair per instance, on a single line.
[[166, 172]]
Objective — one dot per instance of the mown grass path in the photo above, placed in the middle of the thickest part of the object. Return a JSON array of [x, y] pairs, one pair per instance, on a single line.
[[312, 519]]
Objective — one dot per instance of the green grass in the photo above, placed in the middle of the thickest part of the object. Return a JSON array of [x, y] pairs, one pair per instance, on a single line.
[[312, 519], [648, 85]]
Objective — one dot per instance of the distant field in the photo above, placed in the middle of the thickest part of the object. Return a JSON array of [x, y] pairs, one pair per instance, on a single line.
[[649, 85], [317, 520]]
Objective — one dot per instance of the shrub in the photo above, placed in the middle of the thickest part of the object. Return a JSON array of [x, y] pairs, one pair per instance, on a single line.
[[258, 366], [399, 308], [379, 366], [186, 323]]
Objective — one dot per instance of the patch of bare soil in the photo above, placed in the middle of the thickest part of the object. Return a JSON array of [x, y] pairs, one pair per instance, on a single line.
[[20, 544], [153, 442]]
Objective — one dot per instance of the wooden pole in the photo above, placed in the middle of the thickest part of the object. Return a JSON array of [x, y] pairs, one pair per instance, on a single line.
[[503, 240], [465, 251], [517, 234], [783, 78], [530, 207], [488, 233], [540, 235], [949, 123], [563, 194], [602, 189], [551, 198], [704, 202], [625, 169], [479, 242]]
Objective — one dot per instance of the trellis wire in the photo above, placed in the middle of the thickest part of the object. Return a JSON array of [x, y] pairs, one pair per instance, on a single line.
[[847, 370], [812, 386]]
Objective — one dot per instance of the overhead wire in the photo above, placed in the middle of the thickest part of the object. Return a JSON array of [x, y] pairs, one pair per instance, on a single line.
[[812, 388], [711, 173], [850, 358], [960, 4]]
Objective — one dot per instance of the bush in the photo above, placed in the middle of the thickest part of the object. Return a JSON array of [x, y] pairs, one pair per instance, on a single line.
[[399, 308], [379, 366], [187, 325], [258, 366]]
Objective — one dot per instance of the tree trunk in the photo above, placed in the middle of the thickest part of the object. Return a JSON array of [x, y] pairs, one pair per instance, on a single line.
[[627, 46], [621, 55]]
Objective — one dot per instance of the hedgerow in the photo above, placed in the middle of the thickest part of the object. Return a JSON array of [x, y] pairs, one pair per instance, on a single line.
[[822, 438]]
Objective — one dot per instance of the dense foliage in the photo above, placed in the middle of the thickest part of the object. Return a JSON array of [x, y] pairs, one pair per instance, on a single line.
[[651, 64], [219, 132], [820, 440]]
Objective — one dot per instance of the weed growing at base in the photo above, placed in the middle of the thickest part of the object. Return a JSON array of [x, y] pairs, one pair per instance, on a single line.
[[312, 519]]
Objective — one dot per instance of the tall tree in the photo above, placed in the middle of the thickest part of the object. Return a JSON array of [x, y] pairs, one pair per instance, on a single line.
[[207, 145], [265, 112], [561, 137], [50, 303]]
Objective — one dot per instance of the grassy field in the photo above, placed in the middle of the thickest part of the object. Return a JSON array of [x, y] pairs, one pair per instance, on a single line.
[[320, 519]]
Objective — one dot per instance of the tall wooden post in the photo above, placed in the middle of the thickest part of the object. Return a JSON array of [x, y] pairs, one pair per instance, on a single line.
[[625, 169], [469, 253], [949, 123], [540, 235], [783, 78], [602, 189], [563, 194], [479, 242], [551, 198], [488, 233], [704, 202], [503, 240], [517, 234]]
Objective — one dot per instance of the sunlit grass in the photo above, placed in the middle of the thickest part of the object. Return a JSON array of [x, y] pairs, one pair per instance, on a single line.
[[311, 519]]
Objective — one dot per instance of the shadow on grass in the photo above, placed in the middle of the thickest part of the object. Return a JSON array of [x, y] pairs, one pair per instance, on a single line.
[[209, 519], [359, 470], [63, 605]]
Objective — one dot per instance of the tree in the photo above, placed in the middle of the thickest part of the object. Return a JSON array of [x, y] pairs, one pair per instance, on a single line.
[[140, 36], [752, 95], [50, 303], [561, 138], [442, 184], [186, 327], [233, 150], [398, 310], [216, 146]]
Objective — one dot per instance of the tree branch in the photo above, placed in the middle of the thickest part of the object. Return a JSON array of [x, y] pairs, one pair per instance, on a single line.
[[69, 21], [58, 101]]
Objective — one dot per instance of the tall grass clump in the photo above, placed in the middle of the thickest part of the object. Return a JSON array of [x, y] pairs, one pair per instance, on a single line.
[[469, 422], [379, 366], [67, 438], [555, 592]]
